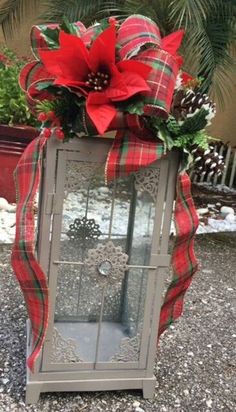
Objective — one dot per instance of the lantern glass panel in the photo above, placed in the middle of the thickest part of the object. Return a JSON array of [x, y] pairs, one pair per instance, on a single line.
[[105, 232]]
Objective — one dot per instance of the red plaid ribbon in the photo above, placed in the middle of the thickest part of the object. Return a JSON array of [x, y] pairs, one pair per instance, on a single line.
[[184, 262], [132, 149], [30, 275]]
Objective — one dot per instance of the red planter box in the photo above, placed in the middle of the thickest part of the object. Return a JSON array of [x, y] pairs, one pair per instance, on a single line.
[[13, 141]]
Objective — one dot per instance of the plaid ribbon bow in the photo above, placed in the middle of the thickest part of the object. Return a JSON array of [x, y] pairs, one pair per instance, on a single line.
[[133, 148]]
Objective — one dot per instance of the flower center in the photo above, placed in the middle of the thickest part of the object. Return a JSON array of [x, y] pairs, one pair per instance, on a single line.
[[98, 81]]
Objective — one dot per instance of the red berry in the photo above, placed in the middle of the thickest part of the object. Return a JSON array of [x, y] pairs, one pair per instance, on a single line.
[[42, 117], [47, 133], [51, 115], [59, 134]]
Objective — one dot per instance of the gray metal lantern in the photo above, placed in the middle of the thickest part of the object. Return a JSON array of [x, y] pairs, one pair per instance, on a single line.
[[103, 249]]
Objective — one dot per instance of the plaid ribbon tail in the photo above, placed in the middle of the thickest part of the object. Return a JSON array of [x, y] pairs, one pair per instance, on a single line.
[[30, 275], [184, 262]]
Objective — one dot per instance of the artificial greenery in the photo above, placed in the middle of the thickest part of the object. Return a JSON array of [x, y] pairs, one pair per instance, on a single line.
[[63, 107], [13, 107], [182, 136]]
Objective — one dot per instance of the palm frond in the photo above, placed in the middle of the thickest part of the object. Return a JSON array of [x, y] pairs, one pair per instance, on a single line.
[[74, 10], [157, 10], [13, 12], [184, 13]]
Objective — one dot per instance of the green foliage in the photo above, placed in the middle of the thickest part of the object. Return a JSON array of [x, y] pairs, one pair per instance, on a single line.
[[186, 141], [173, 126], [160, 129], [194, 123], [135, 107], [64, 108], [184, 136], [13, 106]]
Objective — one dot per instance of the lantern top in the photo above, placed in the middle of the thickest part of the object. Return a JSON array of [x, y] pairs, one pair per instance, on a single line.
[[113, 74]]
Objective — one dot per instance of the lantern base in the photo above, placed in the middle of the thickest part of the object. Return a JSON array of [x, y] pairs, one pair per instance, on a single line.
[[39, 381], [33, 389]]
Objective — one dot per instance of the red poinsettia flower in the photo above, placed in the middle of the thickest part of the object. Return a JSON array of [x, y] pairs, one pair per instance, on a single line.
[[96, 74]]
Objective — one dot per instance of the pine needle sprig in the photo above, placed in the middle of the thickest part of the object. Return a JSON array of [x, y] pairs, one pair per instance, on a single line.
[[195, 123]]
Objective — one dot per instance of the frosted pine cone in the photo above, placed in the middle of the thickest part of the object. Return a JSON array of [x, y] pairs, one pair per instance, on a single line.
[[207, 161], [187, 103]]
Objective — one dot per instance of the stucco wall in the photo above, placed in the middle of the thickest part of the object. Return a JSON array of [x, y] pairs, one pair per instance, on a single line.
[[20, 41], [223, 126]]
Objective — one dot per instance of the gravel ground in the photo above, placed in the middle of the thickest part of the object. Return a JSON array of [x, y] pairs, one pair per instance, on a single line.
[[196, 359]]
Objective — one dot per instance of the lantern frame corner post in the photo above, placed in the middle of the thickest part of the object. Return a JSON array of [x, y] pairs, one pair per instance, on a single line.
[[149, 385], [32, 392]]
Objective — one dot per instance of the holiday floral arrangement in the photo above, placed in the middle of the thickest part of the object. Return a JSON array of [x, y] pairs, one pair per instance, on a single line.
[[91, 81]]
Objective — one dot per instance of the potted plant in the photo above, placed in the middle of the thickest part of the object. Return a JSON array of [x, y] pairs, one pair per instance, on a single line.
[[17, 124]]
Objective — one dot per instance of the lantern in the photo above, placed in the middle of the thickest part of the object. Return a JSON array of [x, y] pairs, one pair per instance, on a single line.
[[103, 249]]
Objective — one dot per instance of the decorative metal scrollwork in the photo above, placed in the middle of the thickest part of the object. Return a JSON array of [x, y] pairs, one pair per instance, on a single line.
[[146, 180], [80, 174], [129, 350], [83, 230], [63, 350], [106, 263]]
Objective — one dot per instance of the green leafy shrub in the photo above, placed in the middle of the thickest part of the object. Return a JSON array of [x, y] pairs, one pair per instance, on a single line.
[[13, 106]]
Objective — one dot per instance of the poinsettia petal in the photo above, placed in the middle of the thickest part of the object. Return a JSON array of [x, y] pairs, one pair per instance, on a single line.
[[102, 52], [172, 42], [134, 84], [61, 63], [67, 40], [98, 98], [72, 84], [100, 113], [68, 61], [62, 81], [135, 66], [117, 87]]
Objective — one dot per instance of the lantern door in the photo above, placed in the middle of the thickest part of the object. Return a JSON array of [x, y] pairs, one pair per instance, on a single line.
[[106, 247]]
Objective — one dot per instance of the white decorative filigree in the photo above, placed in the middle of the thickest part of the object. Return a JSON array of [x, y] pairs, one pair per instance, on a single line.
[[80, 174], [63, 350], [106, 263], [129, 350], [146, 180]]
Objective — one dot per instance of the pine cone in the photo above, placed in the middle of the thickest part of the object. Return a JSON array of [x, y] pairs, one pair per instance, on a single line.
[[187, 102], [207, 162]]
